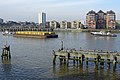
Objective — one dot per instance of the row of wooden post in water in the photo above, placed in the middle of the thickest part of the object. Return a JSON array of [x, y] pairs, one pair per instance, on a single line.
[[99, 58]]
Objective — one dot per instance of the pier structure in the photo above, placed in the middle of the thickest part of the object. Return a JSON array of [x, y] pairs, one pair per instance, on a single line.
[[6, 52], [98, 57]]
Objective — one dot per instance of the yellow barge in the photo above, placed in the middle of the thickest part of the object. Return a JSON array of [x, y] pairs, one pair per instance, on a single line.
[[35, 34]]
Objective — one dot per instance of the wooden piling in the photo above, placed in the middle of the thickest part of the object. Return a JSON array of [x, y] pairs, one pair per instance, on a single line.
[[77, 60], [108, 63], [80, 60], [102, 63], [61, 60], [64, 60], [54, 57], [67, 59], [87, 62], [74, 61], [6, 52], [114, 62], [96, 63]]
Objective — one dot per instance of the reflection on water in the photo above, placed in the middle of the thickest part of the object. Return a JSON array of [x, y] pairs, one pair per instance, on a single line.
[[84, 73], [100, 42], [6, 65]]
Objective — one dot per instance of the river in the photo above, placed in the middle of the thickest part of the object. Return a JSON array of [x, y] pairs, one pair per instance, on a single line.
[[32, 58]]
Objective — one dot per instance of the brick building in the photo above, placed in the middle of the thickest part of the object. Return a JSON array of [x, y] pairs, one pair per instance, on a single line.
[[100, 20]]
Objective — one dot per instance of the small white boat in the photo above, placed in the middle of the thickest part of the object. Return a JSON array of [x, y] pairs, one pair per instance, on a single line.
[[103, 33], [8, 33]]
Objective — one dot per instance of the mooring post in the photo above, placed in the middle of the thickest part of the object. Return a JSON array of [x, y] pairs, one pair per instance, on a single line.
[[108, 63], [96, 63], [77, 60], [87, 62], [54, 60], [9, 52], [67, 61], [62, 45], [80, 60], [61, 60], [98, 57], [74, 60], [114, 62], [67, 58], [102, 63], [54, 57], [6, 52]]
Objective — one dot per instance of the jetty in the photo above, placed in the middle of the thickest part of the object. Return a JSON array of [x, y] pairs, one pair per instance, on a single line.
[[99, 57]]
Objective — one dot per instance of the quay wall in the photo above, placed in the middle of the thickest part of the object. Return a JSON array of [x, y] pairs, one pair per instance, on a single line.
[[58, 30]]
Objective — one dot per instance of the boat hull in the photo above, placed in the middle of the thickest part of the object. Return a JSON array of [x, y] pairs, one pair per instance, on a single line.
[[35, 34], [109, 35]]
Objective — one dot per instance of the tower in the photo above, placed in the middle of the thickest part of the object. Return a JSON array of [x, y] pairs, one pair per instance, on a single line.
[[42, 19]]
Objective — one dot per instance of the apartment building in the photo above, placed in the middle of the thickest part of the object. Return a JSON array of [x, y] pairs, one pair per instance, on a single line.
[[101, 20], [65, 25], [54, 24], [75, 24]]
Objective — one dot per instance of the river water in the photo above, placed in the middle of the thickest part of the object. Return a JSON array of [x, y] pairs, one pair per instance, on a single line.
[[32, 58]]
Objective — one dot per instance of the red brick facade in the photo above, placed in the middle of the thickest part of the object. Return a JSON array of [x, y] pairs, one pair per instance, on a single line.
[[100, 20]]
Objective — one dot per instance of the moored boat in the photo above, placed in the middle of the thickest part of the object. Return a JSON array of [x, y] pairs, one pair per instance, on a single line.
[[103, 33], [7, 33], [36, 34]]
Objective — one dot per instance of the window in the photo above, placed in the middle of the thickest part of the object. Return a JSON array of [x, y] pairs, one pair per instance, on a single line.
[[112, 17]]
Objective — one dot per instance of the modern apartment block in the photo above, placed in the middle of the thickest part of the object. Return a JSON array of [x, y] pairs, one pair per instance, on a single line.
[[91, 19], [42, 19], [100, 20], [64, 25], [111, 19], [75, 24], [54, 24]]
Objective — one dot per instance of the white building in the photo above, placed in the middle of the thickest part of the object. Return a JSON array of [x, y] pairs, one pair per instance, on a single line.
[[75, 24], [53, 24], [64, 25], [42, 19]]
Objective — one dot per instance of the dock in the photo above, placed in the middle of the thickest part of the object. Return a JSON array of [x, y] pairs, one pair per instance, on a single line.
[[98, 57]]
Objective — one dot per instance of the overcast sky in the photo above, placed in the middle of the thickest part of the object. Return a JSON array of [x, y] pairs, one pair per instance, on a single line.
[[27, 10]]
